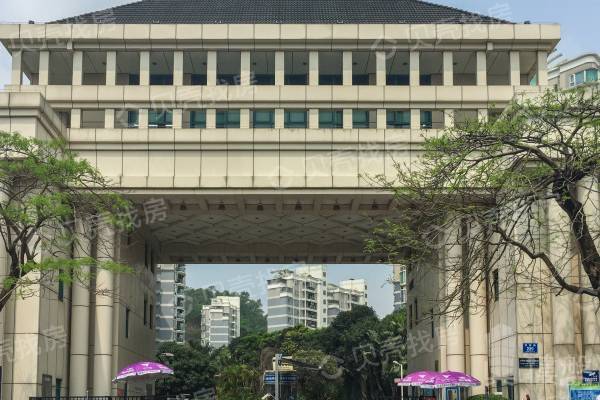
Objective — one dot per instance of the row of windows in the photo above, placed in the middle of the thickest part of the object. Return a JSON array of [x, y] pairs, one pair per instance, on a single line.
[[265, 118], [587, 76]]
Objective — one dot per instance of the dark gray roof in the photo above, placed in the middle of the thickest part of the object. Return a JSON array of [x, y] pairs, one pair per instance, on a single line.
[[281, 12]]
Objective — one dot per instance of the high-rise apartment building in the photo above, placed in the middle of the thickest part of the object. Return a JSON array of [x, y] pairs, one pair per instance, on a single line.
[[399, 282], [220, 321], [170, 310], [303, 297]]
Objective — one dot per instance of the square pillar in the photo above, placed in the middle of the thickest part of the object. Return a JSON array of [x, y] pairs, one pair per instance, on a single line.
[[515, 68], [542, 63], [347, 124], [109, 118], [245, 68], [16, 69], [77, 68], [244, 118], [211, 68], [144, 68], [415, 69], [481, 68], [143, 119], [381, 118], [279, 68], [313, 118], [44, 67], [415, 118], [347, 68], [313, 68], [211, 118], [279, 118], [380, 68], [111, 68], [76, 118], [448, 68], [178, 68], [177, 118], [448, 118]]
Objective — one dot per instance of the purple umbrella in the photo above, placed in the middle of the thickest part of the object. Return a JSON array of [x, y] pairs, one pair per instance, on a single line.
[[436, 380], [143, 370], [461, 379]]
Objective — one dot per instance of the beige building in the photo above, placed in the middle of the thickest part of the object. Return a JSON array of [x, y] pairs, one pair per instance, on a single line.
[[220, 321], [574, 72], [246, 136]]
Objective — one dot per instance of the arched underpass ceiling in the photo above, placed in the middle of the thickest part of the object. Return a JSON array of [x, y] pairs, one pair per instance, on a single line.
[[281, 229]]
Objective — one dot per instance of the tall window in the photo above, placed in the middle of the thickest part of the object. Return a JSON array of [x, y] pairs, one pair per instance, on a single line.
[[398, 119], [151, 320], [160, 119], [145, 309], [495, 285], [263, 118], [228, 119], [331, 119], [581, 77], [262, 65], [127, 315], [295, 119], [296, 67]]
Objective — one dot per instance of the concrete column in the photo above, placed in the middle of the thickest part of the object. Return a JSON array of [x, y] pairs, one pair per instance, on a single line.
[[515, 68], [211, 68], [347, 68], [144, 68], [448, 68], [279, 68], [103, 334], [244, 118], [44, 67], [245, 68], [313, 68], [279, 118], [76, 118], [111, 68], [415, 118], [415, 69], [109, 118], [178, 68], [177, 118], [80, 317], [77, 68], [589, 195], [313, 118], [481, 68], [542, 62], [143, 118], [380, 68], [448, 118], [16, 70], [478, 334], [455, 329], [381, 118], [211, 118], [347, 118]]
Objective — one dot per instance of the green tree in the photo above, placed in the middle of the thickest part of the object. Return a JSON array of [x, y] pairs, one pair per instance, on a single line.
[[44, 189]]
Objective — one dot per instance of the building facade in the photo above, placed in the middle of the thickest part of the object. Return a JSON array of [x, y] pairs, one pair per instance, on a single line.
[[399, 283], [575, 72], [304, 297], [170, 308], [258, 128], [220, 321]]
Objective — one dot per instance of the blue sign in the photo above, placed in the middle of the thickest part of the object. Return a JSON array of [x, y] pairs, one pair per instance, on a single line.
[[584, 393], [530, 348], [269, 377], [529, 363], [591, 376]]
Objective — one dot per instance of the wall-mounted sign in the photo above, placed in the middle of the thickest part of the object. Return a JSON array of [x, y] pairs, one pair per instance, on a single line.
[[529, 363], [530, 348], [591, 376], [584, 392]]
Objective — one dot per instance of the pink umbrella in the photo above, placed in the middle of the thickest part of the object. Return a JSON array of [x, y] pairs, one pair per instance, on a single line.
[[461, 379], [424, 379], [143, 370]]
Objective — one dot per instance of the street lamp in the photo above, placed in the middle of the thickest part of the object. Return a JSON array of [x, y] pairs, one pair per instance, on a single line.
[[401, 376]]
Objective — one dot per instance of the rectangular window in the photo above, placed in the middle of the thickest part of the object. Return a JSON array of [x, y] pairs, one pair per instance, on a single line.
[[194, 119], [46, 386], [161, 67], [194, 68], [151, 320], [330, 68], [160, 119], [262, 118], [397, 66], [127, 316], [128, 68], [410, 316], [591, 75], [331, 119], [60, 68], [58, 389], [145, 309], [127, 119], [364, 119], [94, 68], [432, 324], [61, 290], [432, 66], [495, 285], [432, 119], [228, 119], [363, 68], [92, 119], [262, 67], [296, 67], [295, 119], [228, 67], [398, 119]]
